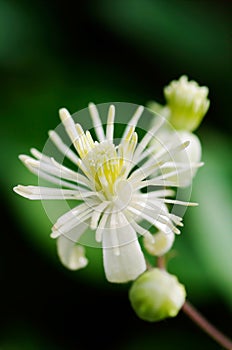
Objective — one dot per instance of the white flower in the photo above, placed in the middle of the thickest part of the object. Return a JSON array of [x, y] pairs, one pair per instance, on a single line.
[[192, 154], [120, 189], [161, 242]]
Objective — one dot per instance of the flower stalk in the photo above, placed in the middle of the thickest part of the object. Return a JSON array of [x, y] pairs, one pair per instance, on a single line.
[[199, 319], [206, 326]]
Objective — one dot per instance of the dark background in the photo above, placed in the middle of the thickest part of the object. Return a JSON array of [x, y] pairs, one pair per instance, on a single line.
[[55, 54]]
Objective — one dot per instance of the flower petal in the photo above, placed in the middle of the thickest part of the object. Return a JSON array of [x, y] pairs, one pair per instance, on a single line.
[[191, 157], [110, 124], [71, 220], [134, 120], [42, 193], [97, 123], [128, 262], [71, 255], [62, 147]]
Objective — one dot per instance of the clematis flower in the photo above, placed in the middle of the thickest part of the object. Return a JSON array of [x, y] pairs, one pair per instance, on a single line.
[[121, 190]]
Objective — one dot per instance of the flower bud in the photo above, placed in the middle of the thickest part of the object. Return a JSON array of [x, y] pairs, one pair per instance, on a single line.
[[159, 243], [187, 103], [156, 295], [191, 154]]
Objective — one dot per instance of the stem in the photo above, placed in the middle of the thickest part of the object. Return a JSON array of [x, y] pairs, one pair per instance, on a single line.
[[206, 326], [161, 262], [199, 319]]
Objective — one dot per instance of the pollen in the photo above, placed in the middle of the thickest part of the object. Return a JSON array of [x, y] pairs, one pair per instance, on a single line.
[[104, 166]]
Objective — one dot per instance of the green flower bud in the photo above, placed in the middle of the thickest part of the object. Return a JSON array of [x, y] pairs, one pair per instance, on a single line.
[[156, 295], [187, 103]]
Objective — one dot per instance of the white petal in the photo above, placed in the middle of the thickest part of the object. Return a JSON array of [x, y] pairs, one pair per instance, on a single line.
[[148, 137], [139, 229], [71, 224], [180, 174], [153, 163], [153, 182], [69, 215], [69, 125], [191, 156], [42, 175], [37, 154], [130, 262], [72, 255], [175, 201], [42, 193], [152, 216], [110, 123], [97, 212], [62, 147], [51, 167], [155, 194], [188, 157], [96, 122], [101, 227], [134, 120]]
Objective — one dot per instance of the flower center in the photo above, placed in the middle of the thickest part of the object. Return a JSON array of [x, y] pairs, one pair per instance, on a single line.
[[104, 166]]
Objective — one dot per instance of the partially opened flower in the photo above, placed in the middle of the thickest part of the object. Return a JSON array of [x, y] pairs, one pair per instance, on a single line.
[[121, 191], [186, 104]]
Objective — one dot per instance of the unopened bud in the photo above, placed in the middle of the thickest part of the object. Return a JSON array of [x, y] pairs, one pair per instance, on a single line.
[[156, 295], [187, 103], [158, 244]]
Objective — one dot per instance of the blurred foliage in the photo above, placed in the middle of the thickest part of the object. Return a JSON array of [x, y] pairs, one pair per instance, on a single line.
[[211, 225], [56, 54]]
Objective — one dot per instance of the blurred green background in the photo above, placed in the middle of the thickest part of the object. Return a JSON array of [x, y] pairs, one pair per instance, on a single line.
[[55, 54]]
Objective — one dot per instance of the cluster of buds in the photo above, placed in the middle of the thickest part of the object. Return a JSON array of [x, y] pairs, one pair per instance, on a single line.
[[156, 294]]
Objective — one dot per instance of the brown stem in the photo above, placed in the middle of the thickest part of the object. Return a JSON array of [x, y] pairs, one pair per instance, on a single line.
[[199, 319], [206, 326], [161, 262]]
